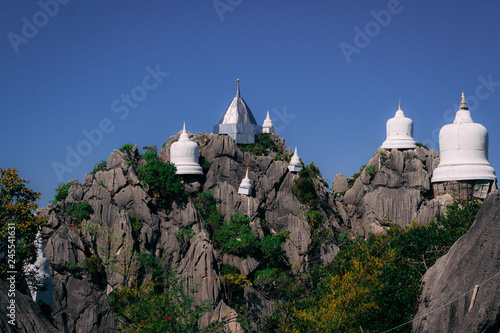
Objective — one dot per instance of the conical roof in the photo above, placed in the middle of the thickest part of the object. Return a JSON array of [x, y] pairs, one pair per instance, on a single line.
[[238, 111]]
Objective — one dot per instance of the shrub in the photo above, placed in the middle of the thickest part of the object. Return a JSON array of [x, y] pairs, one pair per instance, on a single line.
[[205, 203], [271, 248], [151, 149], [303, 187], [370, 170], [94, 266], [383, 156], [183, 236], [227, 269], [204, 164], [126, 147], [263, 144], [73, 269], [313, 218], [62, 192], [160, 178], [236, 237], [101, 166], [80, 211], [101, 183], [422, 145], [135, 221]]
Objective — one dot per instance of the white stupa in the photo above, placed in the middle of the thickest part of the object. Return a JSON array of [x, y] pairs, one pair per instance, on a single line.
[[463, 169], [295, 165], [268, 126], [399, 132], [43, 292], [238, 121], [185, 154], [245, 186]]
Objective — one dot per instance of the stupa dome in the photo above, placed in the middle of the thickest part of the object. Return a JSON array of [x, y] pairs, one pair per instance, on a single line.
[[463, 150], [245, 186], [399, 132], [295, 165], [185, 154], [268, 126], [238, 121]]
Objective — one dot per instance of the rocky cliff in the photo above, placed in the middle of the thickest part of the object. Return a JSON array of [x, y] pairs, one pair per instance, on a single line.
[[394, 187], [462, 289]]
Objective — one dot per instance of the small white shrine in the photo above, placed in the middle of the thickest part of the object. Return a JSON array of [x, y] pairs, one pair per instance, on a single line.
[[295, 165], [185, 154], [399, 132], [245, 186], [43, 292], [463, 170], [267, 126], [238, 121]]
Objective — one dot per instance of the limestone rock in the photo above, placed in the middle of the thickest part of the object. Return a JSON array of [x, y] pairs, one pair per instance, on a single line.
[[339, 183], [446, 301], [29, 318]]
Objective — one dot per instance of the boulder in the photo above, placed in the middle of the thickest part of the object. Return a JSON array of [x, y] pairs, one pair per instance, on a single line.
[[461, 290]]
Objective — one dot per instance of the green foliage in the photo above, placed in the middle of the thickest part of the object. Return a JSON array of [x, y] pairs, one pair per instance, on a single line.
[[183, 236], [205, 165], [101, 166], [370, 170], [314, 219], [18, 223], [126, 147], [151, 149], [383, 156], [135, 221], [160, 305], [227, 269], [236, 237], [205, 203], [263, 144], [421, 145], [376, 283], [357, 174], [164, 144], [80, 211], [233, 284], [303, 187], [163, 184], [94, 266], [101, 183], [73, 269], [271, 248], [62, 192]]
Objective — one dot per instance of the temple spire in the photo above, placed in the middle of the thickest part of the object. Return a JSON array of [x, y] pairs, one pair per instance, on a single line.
[[184, 128], [463, 103], [400, 106], [237, 87]]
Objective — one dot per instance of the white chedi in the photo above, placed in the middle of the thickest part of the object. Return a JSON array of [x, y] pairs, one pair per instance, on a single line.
[[267, 126], [463, 150], [43, 291], [295, 165], [185, 154], [399, 132], [246, 185]]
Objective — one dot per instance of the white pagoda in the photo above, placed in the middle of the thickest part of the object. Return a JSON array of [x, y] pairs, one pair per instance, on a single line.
[[185, 154], [399, 132]]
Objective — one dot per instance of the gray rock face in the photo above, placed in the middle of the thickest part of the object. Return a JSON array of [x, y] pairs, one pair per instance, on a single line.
[[339, 183], [392, 188], [446, 303], [29, 318]]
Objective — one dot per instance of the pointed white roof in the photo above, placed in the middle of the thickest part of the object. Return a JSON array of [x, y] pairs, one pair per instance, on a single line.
[[238, 111], [246, 185]]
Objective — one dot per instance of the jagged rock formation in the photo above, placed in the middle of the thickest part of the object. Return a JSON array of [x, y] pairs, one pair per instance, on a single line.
[[447, 303], [394, 187], [29, 317], [117, 196]]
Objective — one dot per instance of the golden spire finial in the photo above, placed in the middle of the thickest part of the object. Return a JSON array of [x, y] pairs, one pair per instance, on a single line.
[[463, 103], [237, 80]]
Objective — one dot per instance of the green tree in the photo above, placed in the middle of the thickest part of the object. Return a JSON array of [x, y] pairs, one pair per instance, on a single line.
[[18, 223]]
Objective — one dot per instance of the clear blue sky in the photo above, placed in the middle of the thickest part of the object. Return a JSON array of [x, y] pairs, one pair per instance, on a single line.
[[65, 72]]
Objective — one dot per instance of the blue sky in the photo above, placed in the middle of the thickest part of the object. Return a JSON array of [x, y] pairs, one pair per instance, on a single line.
[[330, 72]]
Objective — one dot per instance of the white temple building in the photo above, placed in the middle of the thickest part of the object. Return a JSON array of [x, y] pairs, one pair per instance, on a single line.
[[238, 121], [295, 165], [463, 171], [399, 132], [43, 292], [185, 154], [245, 186], [267, 126]]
